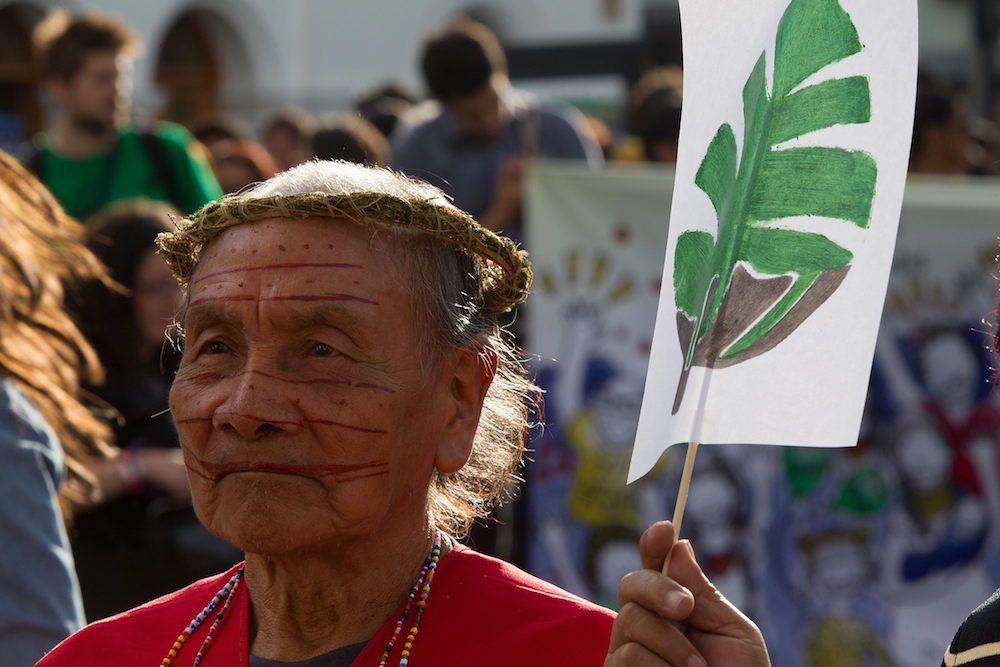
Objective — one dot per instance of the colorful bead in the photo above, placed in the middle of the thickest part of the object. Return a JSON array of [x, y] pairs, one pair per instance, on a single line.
[[228, 591], [423, 587]]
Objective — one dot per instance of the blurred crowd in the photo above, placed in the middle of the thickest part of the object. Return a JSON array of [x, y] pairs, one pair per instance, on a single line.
[[132, 531]]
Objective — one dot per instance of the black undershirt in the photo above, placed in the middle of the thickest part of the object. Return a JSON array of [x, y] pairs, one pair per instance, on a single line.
[[340, 657]]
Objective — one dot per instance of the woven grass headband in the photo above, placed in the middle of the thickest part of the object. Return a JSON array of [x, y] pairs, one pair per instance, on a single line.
[[506, 271]]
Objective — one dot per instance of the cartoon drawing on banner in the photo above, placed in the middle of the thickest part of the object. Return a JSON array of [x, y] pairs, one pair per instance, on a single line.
[[839, 569], [942, 520], [719, 510], [855, 482], [939, 430], [823, 578], [593, 397], [944, 433], [742, 291], [821, 582]]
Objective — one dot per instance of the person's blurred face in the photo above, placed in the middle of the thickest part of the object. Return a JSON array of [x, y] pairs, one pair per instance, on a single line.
[[480, 115], [951, 372], [284, 147], [839, 568], [616, 410], [307, 409], [97, 96], [155, 300], [924, 459], [716, 500], [235, 174]]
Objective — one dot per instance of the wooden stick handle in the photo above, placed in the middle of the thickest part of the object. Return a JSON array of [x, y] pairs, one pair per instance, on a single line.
[[682, 497]]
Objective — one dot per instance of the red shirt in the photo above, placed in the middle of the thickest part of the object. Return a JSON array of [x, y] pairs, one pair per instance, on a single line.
[[481, 611]]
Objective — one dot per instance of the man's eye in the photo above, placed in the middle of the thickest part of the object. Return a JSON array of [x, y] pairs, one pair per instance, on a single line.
[[216, 347], [323, 350]]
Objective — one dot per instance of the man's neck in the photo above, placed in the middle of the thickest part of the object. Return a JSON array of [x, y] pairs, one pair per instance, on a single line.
[[307, 605], [68, 140]]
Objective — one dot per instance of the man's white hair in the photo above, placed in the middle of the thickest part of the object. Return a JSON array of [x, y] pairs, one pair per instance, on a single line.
[[338, 176]]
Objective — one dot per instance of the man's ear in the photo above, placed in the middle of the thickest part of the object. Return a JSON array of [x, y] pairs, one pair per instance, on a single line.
[[470, 374]]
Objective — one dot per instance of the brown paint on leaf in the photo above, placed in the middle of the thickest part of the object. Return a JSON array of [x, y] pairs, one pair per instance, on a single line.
[[747, 299]]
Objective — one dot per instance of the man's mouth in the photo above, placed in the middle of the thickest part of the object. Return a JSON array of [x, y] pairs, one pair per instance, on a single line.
[[339, 472]]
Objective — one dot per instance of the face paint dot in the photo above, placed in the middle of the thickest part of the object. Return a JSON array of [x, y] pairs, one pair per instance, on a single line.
[[305, 246], [251, 386], [253, 251], [342, 403], [232, 251], [239, 284], [330, 246], [282, 248], [270, 284]]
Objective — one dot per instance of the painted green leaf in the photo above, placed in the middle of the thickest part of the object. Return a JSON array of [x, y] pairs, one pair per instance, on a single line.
[[693, 248], [742, 291]]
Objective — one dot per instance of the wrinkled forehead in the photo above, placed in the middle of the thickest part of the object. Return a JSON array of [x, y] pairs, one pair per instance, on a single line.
[[291, 242], [319, 257]]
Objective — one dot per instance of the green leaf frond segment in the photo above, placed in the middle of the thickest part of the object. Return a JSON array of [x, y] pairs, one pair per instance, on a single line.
[[767, 184]]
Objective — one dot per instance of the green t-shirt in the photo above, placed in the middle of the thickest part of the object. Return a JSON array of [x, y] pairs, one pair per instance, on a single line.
[[127, 171]]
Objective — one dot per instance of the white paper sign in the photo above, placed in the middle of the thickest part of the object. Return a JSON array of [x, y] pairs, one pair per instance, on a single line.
[[793, 152]]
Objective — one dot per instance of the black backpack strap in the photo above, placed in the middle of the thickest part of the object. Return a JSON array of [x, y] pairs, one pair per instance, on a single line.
[[157, 155]]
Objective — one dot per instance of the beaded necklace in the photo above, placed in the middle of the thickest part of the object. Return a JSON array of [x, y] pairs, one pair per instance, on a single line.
[[227, 591], [418, 594]]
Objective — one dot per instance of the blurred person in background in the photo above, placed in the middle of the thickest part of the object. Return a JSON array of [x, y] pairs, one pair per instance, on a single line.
[[384, 106], [350, 137], [600, 134], [92, 155], [476, 147], [46, 434], [654, 117], [238, 163], [222, 128], [143, 539], [941, 143], [286, 137]]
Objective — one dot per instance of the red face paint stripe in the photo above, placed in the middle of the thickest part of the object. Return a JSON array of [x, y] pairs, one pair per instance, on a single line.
[[261, 420], [304, 297], [199, 473], [340, 472], [268, 267], [344, 383], [201, 377], [321, 297], [235, 297], [357, 477], [328, 422]]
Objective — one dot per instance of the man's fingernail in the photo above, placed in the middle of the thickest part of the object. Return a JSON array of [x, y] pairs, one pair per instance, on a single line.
[[696, 661], [675, 599]]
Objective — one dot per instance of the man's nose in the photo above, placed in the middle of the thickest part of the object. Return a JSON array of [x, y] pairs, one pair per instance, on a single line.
[[258, 407]]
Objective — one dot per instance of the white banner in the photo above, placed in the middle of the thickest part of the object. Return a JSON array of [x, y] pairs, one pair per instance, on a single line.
[[596, 241]]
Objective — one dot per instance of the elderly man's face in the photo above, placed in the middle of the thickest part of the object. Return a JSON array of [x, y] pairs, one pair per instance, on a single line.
[[307, 408]]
